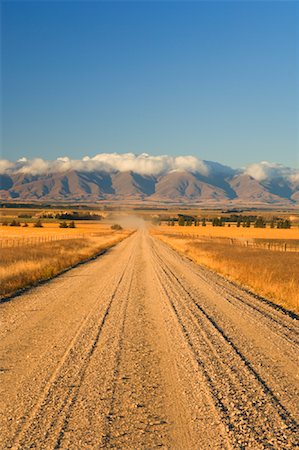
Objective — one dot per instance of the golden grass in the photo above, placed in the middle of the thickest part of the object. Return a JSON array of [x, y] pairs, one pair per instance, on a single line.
[[27, 264], [272, 274], [53, 228], [233, 232]]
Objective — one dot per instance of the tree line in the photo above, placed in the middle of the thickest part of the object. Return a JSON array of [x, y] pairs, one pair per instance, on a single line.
[[245, 222]]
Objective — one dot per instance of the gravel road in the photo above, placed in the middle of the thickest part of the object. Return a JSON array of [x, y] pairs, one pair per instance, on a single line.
[[142, 349]]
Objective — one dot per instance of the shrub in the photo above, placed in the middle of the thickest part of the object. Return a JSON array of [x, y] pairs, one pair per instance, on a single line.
[[14, 223], [116, 227], [72, 224], [260, 223], [38, 224], [63, 225], [181, 221], [285, 224], [218, 222]]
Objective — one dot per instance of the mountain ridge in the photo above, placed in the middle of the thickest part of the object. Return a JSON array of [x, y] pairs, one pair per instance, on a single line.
[[216, 187]]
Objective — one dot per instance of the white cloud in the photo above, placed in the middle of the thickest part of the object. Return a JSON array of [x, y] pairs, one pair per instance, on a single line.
[[268, 171], [6, 165], [33, 166], [144, 164]]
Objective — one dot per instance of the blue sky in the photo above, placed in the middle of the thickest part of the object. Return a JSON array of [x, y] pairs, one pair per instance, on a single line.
[[218, 80]]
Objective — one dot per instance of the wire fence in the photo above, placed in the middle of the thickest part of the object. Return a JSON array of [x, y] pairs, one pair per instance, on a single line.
[[21, 241], [37, 240], [269, 245], [291, 245]]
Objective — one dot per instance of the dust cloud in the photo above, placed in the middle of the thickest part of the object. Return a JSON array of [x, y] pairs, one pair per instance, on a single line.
[[128, 221]]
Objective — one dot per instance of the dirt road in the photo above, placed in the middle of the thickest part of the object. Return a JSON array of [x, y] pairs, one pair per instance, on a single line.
[[141, 349]]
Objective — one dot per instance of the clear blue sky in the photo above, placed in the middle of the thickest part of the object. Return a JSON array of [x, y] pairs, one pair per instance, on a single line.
[[218, 80]]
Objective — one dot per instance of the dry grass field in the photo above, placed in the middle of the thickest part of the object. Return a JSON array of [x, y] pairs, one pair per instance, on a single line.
[[143, 349], [273, 274], [13, 236], [32, 254], [234, 232]]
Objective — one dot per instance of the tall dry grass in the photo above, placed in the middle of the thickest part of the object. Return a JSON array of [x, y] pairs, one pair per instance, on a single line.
[[272, 274], [233, 232], [25, 265]]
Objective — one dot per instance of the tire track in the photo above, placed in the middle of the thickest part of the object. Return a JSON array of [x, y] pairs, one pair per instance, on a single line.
[[48, 397], [283, 322], [221, 360], [272, 355], [106, 438]]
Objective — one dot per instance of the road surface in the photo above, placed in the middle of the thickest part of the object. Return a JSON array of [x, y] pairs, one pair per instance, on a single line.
[[142, 349]]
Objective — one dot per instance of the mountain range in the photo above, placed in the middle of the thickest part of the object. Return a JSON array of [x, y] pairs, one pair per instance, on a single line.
[[209, 184]]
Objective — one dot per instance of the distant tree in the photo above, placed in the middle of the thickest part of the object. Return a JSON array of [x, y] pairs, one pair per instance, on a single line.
[[63, 225], [204, 222], [72, 224], [285, 224], [218, 222], [260, 223], [24, 216], [38, 224], [181, 221], [14, 223], [238, 223]]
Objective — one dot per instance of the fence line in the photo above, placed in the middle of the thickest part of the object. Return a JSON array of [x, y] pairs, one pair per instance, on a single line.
[[35, 240], [283, 246]]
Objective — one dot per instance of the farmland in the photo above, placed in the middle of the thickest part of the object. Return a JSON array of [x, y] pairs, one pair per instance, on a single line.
[[264, 260], [31, 254], [141, 347]]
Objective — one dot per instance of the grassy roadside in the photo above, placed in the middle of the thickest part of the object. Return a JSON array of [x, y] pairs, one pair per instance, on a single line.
[[24, 266], [274, 275]]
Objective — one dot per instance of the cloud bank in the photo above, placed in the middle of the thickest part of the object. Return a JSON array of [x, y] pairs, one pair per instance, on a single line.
[[110, 162], [268, 171], [146, 164]]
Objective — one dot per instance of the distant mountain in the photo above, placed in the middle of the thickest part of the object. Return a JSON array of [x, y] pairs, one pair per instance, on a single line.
[[177, 180]]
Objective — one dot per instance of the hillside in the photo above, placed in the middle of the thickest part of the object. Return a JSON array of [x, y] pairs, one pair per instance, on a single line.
[[206, 183]]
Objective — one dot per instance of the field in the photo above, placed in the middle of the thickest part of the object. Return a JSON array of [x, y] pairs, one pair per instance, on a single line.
[[32, 254], [257, 259], [142, 347], [234, 232]]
